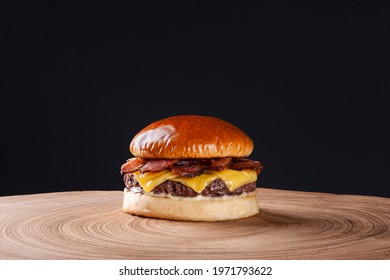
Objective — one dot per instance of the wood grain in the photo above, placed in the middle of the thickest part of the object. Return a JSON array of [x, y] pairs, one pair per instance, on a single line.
[[291, 225]]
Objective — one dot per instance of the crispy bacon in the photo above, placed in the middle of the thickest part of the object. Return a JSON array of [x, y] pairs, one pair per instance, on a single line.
[[132, 165], [193, 161], [245, 163], [220, 163], [188, 171], [189, 167], [157, 165]]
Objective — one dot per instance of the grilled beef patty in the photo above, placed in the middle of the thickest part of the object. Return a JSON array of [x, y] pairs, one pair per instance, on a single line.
[[216, 188]]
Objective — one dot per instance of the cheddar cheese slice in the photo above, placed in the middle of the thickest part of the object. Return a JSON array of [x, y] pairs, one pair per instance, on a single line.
[[232, 178]]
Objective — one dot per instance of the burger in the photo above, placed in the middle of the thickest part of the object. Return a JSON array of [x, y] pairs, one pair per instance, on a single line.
[[193, 168]]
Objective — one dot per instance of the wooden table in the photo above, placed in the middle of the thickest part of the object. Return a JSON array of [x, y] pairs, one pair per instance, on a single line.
[[291, 225]]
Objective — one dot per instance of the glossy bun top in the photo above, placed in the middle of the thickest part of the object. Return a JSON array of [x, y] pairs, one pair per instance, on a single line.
[[191, 136]]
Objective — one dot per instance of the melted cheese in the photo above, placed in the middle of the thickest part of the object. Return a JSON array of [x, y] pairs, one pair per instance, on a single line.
[[232, 178]]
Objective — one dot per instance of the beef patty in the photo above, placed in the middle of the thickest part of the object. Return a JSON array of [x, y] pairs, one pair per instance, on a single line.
[[216, 188]]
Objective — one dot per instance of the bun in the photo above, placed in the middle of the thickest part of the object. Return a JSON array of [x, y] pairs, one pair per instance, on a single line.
[[190, 136], [191, 209]]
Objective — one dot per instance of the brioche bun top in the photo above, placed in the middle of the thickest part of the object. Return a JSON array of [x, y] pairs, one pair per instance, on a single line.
[[191, 136]]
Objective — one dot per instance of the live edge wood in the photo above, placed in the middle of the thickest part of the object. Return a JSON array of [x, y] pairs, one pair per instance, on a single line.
[[291, 225]]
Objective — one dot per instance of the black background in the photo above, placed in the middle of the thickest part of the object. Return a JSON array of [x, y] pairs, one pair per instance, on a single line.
[[309, 83]]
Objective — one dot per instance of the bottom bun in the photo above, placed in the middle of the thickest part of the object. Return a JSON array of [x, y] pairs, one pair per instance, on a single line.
[[191, 209]]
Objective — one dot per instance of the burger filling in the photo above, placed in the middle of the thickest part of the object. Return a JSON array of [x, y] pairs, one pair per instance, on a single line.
[[216, 188], [191, 177]]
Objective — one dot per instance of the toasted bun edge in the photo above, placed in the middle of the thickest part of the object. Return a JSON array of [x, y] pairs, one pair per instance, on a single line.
[[191, 209]]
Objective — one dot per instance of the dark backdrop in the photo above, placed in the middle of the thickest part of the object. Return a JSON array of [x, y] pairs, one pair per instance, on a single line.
[[309, 84]]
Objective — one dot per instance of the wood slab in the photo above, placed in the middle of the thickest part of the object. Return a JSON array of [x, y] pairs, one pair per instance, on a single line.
[[291, 225]]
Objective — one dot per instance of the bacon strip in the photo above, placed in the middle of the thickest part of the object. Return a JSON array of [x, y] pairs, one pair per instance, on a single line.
[[245, 163], [132, 165], [193, 161], [218, 164], [157, 165], [188, 171]]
